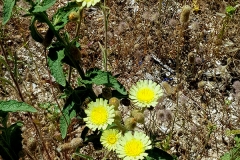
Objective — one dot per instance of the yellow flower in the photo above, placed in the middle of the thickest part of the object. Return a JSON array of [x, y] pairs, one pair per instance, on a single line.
[[145, 93], [88, 3], [110, 138], [99, 114], [133, 146]]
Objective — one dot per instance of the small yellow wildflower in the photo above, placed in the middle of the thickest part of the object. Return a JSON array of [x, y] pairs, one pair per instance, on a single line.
[[110, 138], [133, 146], [99, 114], [88, 3], [145, 93]]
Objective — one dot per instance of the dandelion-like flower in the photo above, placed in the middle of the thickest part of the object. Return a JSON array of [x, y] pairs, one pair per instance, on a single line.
[[99, 114], [133, 146], [88, 3], [145, 93], [110, 138]]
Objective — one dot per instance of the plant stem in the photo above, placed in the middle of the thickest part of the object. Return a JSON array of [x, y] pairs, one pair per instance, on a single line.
[[80, 11]]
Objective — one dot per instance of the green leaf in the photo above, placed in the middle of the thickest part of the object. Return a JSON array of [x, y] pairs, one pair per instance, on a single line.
[[158, 154], [14, 106], [99, 77], [34, 32], [230, 10], [7, 10], [54, 61], [44, 5], [60, 18], [11, 141], [65, 119]]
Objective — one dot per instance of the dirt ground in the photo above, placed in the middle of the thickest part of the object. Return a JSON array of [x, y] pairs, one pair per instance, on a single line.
[[197, 67]]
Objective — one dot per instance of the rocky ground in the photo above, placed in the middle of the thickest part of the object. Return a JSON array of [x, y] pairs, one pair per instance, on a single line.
[[198, 70]]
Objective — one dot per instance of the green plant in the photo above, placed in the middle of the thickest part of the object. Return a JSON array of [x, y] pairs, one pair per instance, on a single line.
[[234, 153], [10, 136]]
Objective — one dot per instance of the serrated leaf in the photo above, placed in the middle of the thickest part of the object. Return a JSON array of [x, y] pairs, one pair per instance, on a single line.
[[99, 77], [7, 10], [44, 5], [55, 65], [65, 120], [60, 18], [15, 106]]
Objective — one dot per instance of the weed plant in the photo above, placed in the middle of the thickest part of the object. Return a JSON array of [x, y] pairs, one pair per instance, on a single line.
[[91, 79]]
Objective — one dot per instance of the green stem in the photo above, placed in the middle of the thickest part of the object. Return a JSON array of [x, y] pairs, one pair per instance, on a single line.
[[80, 11], [50, 25]]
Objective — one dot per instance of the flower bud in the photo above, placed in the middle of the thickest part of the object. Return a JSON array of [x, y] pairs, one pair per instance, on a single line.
[[130, 123], [115, 102], [191, 58], [138, 116], [73, 16], [107, 92]]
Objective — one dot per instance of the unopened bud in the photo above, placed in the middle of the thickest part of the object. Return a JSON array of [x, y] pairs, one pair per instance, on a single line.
[[139, 117], [73, 16], [115, 102], [107, 92], [130, 123], [191, 58]]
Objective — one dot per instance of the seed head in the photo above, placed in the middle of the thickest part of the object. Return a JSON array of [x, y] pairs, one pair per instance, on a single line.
[[191, 58], [168, 88], [184, 17], [130, 123]]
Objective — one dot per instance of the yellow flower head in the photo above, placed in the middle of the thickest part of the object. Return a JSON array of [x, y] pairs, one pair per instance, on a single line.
[[99, 114], [133, 146], [145, 93], [88, 3], [110, 138]]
